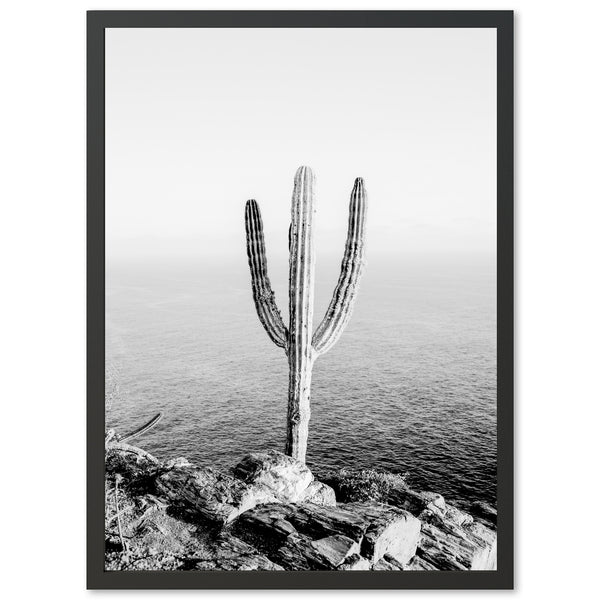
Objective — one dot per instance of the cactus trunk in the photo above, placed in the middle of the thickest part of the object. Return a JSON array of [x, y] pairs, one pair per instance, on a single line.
[[301, 346], [301, 296]]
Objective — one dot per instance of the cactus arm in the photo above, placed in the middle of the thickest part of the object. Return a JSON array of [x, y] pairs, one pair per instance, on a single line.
[[340, 309], [264, 298], [301, 296]]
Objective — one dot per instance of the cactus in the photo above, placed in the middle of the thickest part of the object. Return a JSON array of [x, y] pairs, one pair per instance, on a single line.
[[301, 345]]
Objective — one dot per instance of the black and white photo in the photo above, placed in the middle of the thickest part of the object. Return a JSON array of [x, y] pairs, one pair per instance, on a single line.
[[306, 298]]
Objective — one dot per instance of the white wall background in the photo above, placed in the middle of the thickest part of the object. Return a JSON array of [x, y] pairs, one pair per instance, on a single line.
[[42, 190]]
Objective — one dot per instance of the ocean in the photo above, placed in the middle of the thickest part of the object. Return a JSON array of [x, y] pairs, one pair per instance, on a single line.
[[410, 386]]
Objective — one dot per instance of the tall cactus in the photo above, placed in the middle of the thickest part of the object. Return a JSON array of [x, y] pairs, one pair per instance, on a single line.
[[300, 344]]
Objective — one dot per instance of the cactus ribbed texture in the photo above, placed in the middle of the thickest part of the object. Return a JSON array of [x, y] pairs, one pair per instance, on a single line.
[[264, 298], [340, 309], [301, 346], [301, 296]]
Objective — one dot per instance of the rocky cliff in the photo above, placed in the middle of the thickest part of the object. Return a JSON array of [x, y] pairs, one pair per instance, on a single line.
[[270, 513]]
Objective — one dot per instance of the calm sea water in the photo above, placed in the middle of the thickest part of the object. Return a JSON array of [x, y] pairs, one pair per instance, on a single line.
[[410, 386]]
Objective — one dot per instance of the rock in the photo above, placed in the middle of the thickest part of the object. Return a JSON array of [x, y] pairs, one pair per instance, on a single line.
[[318, 493], [388, 563], [266, 526], [446, 546], [457, 516], [134, 466], [208, 494], [335, 548], [273, 515], [390, 531], [419, 564], [177, 463], [302, 536], [322, 521], [285, 477], [228, 553], [299, 552], [485, 559], [416, 502], [309, 536], [434, 500], [355, 563], [153, 539], [485, 512]]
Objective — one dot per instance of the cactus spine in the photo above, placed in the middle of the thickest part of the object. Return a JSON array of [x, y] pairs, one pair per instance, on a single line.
[[300, 344]]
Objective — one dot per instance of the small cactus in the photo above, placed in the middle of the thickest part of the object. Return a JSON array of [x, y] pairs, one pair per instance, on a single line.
[[301, 345]]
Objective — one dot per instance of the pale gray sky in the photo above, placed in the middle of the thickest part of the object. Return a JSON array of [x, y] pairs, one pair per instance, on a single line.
[[200, 120]]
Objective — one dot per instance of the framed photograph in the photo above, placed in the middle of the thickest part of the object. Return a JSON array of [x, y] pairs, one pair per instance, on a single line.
[[300, 299]]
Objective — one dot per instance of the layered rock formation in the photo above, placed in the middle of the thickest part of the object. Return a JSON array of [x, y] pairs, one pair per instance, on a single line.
[[270, 513]]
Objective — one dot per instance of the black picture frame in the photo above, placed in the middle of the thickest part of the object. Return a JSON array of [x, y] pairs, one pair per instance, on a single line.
[[97, 578]]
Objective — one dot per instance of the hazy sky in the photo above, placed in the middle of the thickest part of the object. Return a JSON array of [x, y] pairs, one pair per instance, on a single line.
[[200, 120]]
